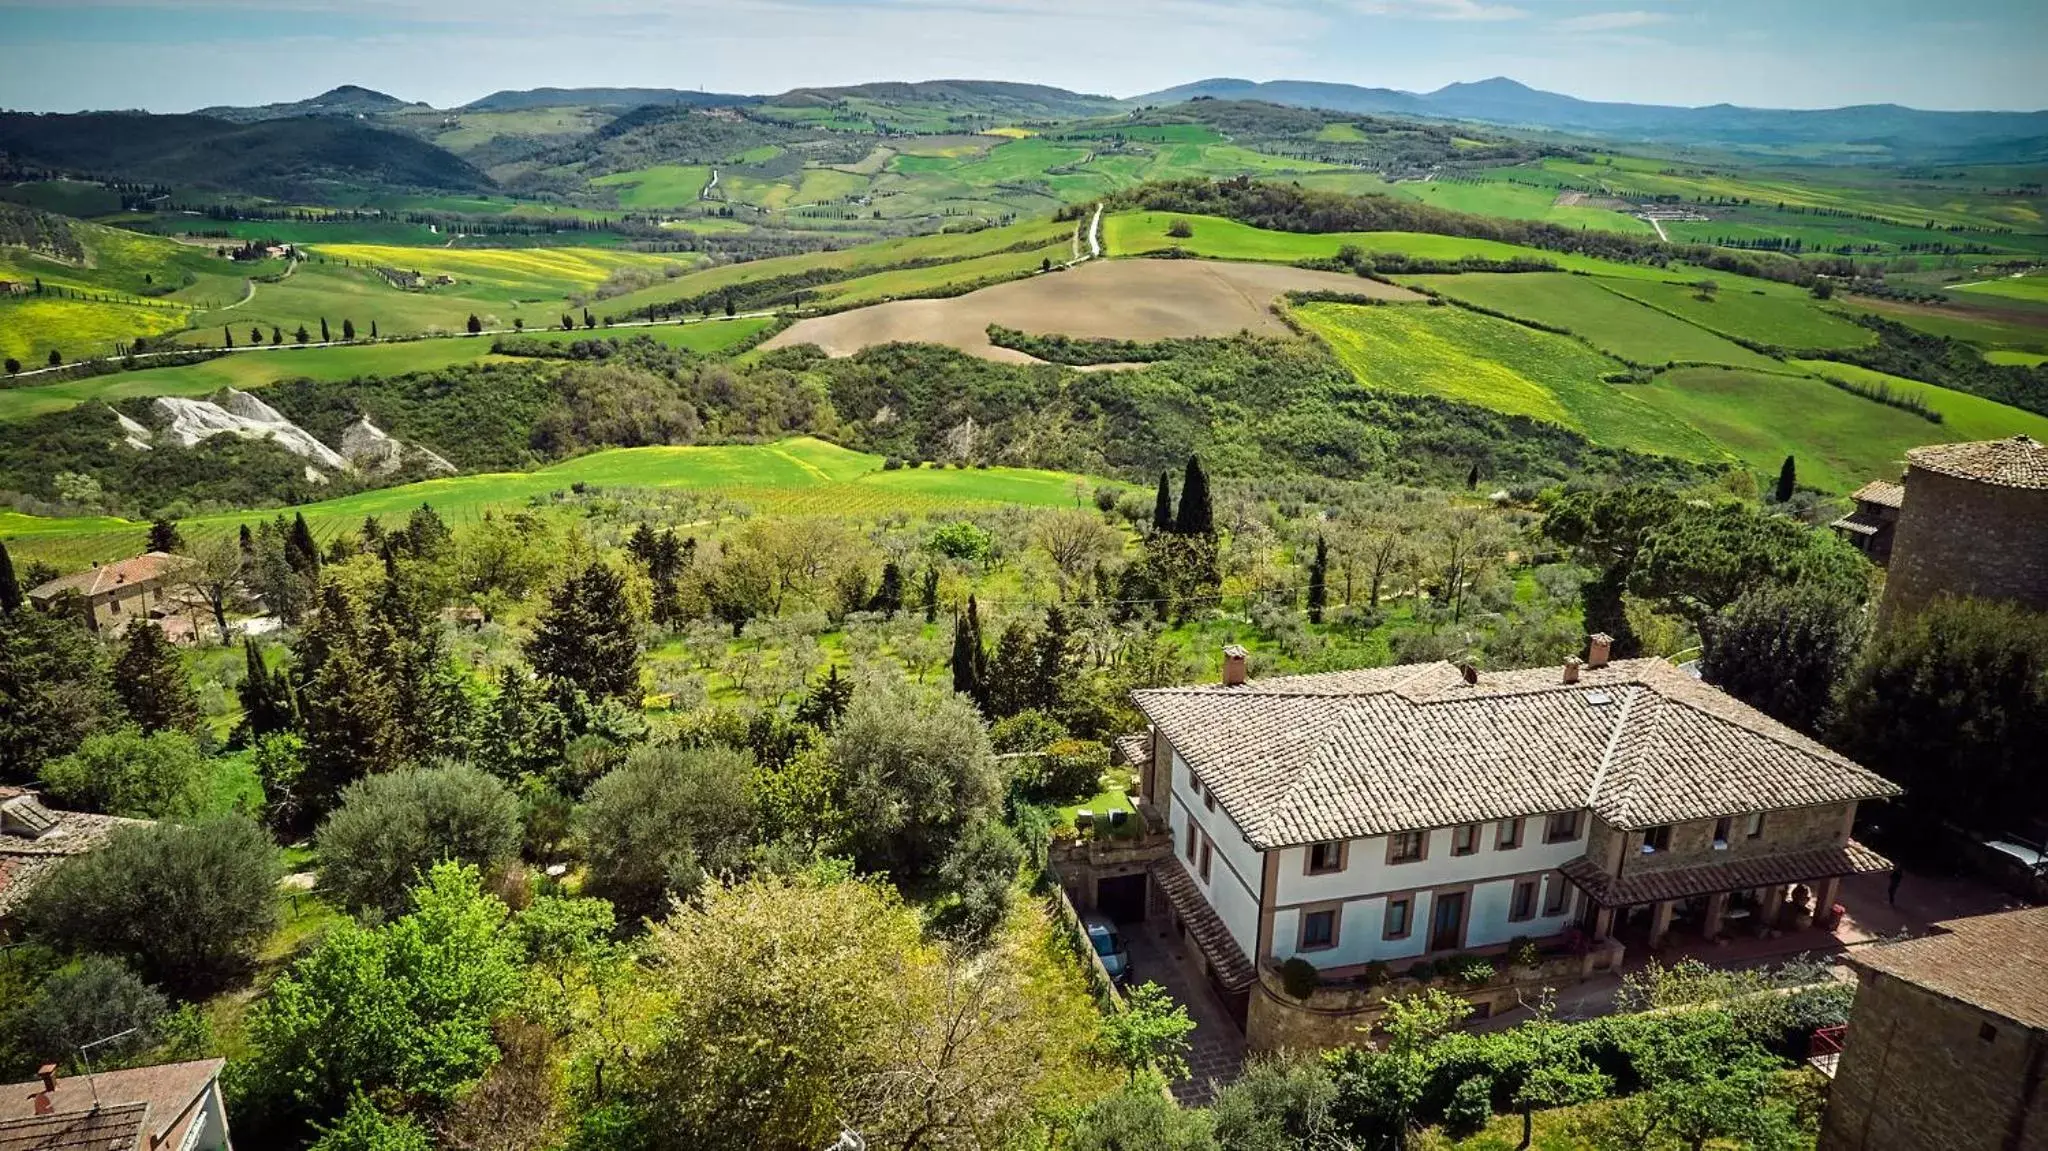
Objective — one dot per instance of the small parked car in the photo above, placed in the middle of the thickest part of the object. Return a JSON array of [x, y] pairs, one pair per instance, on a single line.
[[1109, 944]]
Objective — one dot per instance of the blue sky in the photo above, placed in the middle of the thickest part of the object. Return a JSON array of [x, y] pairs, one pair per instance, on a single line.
[[175, 55]]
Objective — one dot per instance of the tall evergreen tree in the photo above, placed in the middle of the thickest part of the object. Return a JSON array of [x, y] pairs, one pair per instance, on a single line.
[[1055, 670], [1162, 504], [587, 638], [324, 337], [247, 539], [970, 659], [276, 335], [300, 550], [827, 701], [10, 587], [930, 593], [266, 695], [1012, 671], [1319, 581], [151, 682], [373, 329], [348, 329], [163, 536], [227, 336], [1196, 517], [1788, 479], [888, 598]]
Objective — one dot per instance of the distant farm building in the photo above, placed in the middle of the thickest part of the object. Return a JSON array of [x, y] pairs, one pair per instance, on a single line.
[[1876, 518], [109, 595]]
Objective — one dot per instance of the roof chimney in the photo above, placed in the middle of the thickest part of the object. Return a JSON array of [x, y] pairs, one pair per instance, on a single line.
[[49, 1073], [1571, 669], [42, 1102], [1233, 666], [1470, 673], [1598, 645]]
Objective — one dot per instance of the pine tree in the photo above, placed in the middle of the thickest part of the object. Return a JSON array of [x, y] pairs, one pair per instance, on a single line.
[[1196, 517], [348, 329], [475, 325], [644, 545], [587, 638], [266, 695], [888, 598], [163, 536], [255, 334], [1318, 581], [1162, 505], [302, 335], [10, 587], [276, 335], [346, 709], [151, 682], [1788, 479], [247, 540]]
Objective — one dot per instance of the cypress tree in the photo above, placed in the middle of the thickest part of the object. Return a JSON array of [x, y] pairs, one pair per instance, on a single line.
[[1318, 581], [255, 334], [888, 598], [1196, 517], [299, 549], [267, 704], [10, 587], [1162, 505], [163, 536], [970, 658], [1788, 479], [152, 683], [826, 702], [227, 336], [931, 594], [324, 337], [373, 329], [1055, 662], [1472, 478]]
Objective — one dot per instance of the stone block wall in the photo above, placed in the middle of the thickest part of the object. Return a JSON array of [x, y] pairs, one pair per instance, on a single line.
[[1692, 843], [1965, 538], [1920, 1074]]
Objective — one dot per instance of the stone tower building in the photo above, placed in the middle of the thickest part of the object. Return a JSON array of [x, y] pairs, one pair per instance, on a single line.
[[1974, 522]]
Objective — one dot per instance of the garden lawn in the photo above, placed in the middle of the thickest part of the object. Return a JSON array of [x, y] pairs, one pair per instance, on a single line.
[[1584, 306], [1494, 363], [1840, 440]]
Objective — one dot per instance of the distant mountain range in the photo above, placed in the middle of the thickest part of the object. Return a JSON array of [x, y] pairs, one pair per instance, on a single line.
[[1878, 131], [511, 100]]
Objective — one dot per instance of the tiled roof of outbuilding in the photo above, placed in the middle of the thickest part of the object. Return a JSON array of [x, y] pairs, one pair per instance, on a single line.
[[1851, 858], [1992, 962], [2014, 462], [1881, 492], [1346, 754]]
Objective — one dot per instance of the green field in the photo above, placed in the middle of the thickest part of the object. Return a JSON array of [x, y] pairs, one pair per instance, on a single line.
[[1497, 364], [534, 272], [662, 186], [2016, 359], [2032, 287], [31, 327], [1780, 315], [1840, 440], [2011, 328], [802, 476], [1135, 233], [250, 370], [1584, 306], [1963, 416]]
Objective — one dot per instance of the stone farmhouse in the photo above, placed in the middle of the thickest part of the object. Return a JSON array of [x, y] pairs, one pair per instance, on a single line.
[[109, 595], [1948, 1042], [1366, 822]]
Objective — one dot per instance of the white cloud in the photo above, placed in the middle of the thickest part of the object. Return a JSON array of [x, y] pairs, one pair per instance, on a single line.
[[1612, 21], [1459, 10]]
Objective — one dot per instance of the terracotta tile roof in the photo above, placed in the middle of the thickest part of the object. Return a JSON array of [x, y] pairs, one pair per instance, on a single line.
[[106, 577], [1133, 749], [1884, 493], [1736, 874], [164, 1091], [1850, 523], [1346, 754], [34, 839], [1996, 963], [1225, 957], [2015, 462], [114, 1128]]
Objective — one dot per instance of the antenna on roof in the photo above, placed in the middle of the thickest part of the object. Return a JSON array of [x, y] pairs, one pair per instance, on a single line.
[[87, 1061]]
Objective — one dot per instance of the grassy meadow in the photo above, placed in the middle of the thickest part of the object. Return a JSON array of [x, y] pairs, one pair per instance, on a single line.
[[1136, 233], [251, 370], [1759, 311], [1494, 363], [1583, 305], [802, 476]]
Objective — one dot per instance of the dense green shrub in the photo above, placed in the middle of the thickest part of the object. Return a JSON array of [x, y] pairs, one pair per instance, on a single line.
[[1300, 977], [128, 773], [393, 827], [657, 826]]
